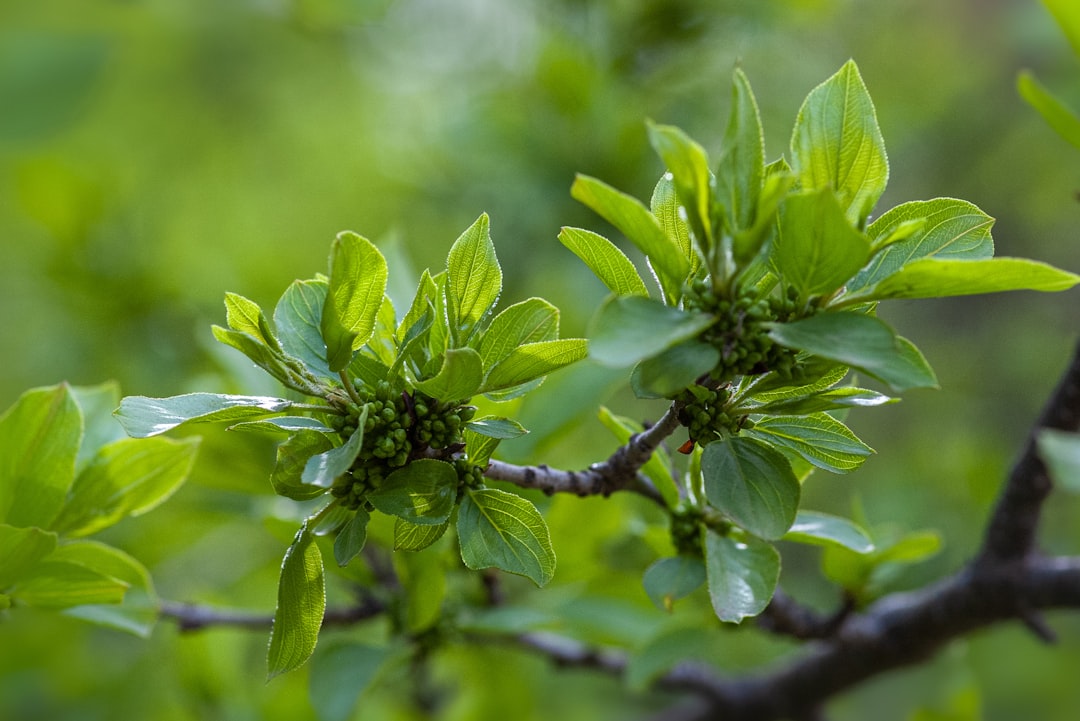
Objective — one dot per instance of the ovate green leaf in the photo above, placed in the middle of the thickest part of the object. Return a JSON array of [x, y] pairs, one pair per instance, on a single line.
[[99, 427], [138, 612], [416, 536], [742, 164], [300, 606], [246, 316], [63, 584], [20, 550], [689, 167], [742, 575], [670, 579], [292, 458], [534, 360], [672, 216], [629, 330], [503, 530], [751, 484], [473, 275], [357, 285], [529, 321], [458, 379], [324, 468], [298, 317], [604, 259], [817, 249], [496, 427], [423, 492], [664, 375], [142, 417], [818, 438], [821, 529], [351, 538]]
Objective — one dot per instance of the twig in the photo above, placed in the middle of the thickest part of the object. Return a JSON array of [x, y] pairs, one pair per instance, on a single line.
[[191, 617], [787, 617]]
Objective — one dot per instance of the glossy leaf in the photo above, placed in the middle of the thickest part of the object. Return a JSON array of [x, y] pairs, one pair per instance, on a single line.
[[817, 249], [282, 424], [751, 484], [529, 321], [502, 530], [324, 468], [534, 360], [298, 317], [688, 165], [940, 228], [742, 164], [1057, 115], [640, 227], [473, 275], [496, 427], [20, 550], [605, 260], [357, 285], [742, 574], [301, 603], [818, 438], [340, 672], [837, 144], [1061, 453], [292, 457], [822, 529], [142, 417], [941, 278], [670, 579], [862, 342], [827, 400], [40, 437], [351, 538], [458, 379], [126, 478], [423, 492], [629, 330], [416, 536]]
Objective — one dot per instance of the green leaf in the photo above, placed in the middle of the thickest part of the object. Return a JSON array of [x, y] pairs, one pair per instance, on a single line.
[[657, 468], [503, 530], [941, 278], [272, 360], [426, 292], [63, 584], [142, 417], [640, 227], [751, 484], [458, 379], [357, 285], [423, 576], [534, 360], [862, 342], [837, 144], [416, 536], [324, 468], [818, 438], [943, 227], [742, 575], [340, 672], [245, 316], [665, 205], [629, 330], [832, 399], [747, 244], [99, 427], [138, 612], [697, 644], [300, 606], [912, 548], [423, 492], [1060, 451], [351, 538], [367, 370], [1067, 15], [473, 275], [529, 321], [298, 317], [670, 579], [496, 427], [20, 550], [126, 478], [689, 167], [741, 172], [1056, 114], [604, 259], [39, 442], [821, 529], [292, 458], [282, 424], [478, 448], [817, 250], [664, 375]]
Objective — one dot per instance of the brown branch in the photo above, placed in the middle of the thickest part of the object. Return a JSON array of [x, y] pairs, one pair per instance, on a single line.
[[787, 617], [620, 472], [191, 617]]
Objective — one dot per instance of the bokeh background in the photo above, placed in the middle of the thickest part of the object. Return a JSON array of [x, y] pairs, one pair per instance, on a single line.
[[157, 153]]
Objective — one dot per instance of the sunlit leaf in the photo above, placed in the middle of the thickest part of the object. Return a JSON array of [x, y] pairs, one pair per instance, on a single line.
[[604, 259], [741, 170], [300, 606], [688, 165], [534, 360], [142, 417], [298, 317], [357, 285], [529, 321], [473, 275], [351, 538], [458, 379], [818, 438], [505, 531], [941, 278], [629, 330], [21, 549]]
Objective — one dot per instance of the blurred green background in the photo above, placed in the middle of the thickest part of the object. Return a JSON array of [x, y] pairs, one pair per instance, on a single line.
[[156, 153]]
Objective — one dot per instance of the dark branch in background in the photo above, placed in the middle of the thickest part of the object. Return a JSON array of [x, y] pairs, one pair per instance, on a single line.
[[194, 617], [620, 472]]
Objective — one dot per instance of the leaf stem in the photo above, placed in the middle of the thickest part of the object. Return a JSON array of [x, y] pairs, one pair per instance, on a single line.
[[316, 408], [347, 384]]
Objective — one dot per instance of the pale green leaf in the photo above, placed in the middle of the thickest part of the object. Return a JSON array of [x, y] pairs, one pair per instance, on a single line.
[[301, 603], [245, 316], [138, 612], [99, 427], [665, 205], [629, 330], [828, 400], [534, 360], [473, 275], [459, 378], [530, 321], [604, 259], [742, 574], [688, 165], [282, 424], [1057, 115], [817, 250], [818, 438], [416, 536], [940, 278], [505, 531], [496, 427], [63, 584], [751, 484], [142, 417], [340, 672], [288, 371], [741, 170], [357, 285], [20, 550], [1067, 15], [821, 529], [1061, 452]]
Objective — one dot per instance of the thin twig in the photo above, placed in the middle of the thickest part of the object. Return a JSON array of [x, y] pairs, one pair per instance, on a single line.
[[191, 617]]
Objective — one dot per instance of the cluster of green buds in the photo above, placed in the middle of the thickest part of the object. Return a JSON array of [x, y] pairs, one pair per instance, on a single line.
[[469, 475], [686, 530], [740, 333], [704, 413]]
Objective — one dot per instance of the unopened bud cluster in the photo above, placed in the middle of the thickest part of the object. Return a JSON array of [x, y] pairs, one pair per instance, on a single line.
[[705, 415], [686, 530]]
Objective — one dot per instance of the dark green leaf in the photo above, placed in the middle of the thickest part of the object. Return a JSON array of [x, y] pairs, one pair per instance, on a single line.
[[629, 330], [822, 529], [818, 438], [300, 606], [751, 484], [473, 275], [742, 165], [39, 441], [20, 550], [534, 360], [298, 317], [670, 579], [416, 536], [357, 286], [742, 575], [340, 672], [503, 530], [292, 458], [351, 538], [323, 469], [496, 427], [458, 379], [664, 375], [604, 259], [423, 492], [142, 417]]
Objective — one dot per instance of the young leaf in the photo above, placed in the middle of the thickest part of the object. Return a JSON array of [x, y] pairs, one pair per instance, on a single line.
[[298, 317], [245, 316], [340, 672], [416, 536], [282, 424], [39, 441], [532, 361], [288, 371], [126, 478], [138, 612], [99, 427], [629, 330], [742, 166], [943, 227], [1056, 114], [670, 579], [323, 469], [818, 438], [664, 375], [1061, 452], [821, 529], [496, 427], [357, 286], [604, 259], [20, 550], [473, 275], [142, 417], [640, 227], [751, 484], [529, 321], [689, 168], [941, 278], [503, 530], [351, 538], [300, 606], [829, 400], [742, 575], [458, 379], [292, 458], [862, 342], [837, 144], [665, 205], [817, 250], [422, 492], [63, 584], [410, 325]]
